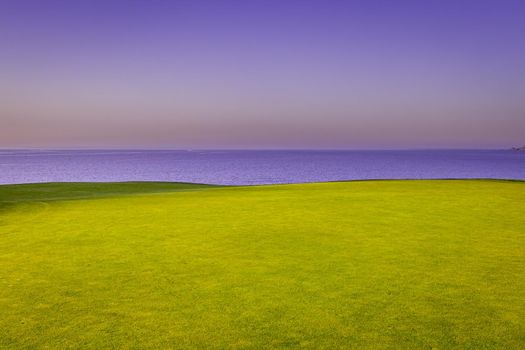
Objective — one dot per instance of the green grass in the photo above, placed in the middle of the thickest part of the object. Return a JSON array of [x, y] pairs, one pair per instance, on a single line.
[[59, 191], [364, 265]]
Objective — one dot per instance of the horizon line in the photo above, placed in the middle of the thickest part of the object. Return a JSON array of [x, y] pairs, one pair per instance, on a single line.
[[189, 149]]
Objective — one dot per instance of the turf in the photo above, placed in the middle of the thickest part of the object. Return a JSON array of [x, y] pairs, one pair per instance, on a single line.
[[59, 191], [364, 265]]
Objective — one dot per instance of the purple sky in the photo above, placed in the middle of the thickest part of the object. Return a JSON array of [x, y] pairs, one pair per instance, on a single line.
[[262, 74]]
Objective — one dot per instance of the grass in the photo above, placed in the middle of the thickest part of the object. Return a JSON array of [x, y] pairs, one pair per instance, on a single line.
[[60, 191], [364, 265]]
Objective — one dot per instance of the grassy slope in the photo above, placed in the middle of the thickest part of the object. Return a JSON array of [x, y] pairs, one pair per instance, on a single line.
[[380, 264], [59, 191]]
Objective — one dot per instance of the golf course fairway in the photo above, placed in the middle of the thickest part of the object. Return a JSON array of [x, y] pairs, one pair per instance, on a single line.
[[433, 264]]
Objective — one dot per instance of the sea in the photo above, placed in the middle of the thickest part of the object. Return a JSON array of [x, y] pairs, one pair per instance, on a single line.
[[255, 167]]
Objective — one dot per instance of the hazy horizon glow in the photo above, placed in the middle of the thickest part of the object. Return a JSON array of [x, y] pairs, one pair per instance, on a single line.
[[262, 74]]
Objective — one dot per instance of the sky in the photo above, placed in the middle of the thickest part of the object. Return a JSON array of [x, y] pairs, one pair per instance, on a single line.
[[262, 74]]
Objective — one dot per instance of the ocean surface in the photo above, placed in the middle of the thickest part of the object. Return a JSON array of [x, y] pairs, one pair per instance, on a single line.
[[255, 167]]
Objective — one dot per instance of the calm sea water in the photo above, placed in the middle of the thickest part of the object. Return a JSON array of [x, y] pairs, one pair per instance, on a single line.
[[256, 167]]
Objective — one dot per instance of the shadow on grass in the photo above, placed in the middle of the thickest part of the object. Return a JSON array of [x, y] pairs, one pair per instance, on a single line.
[[11, 195]]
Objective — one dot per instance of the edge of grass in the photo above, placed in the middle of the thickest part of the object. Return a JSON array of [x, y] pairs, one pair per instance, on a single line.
[[13, 194]]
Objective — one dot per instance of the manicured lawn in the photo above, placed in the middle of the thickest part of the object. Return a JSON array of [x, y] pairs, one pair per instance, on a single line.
[[364, 265]]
